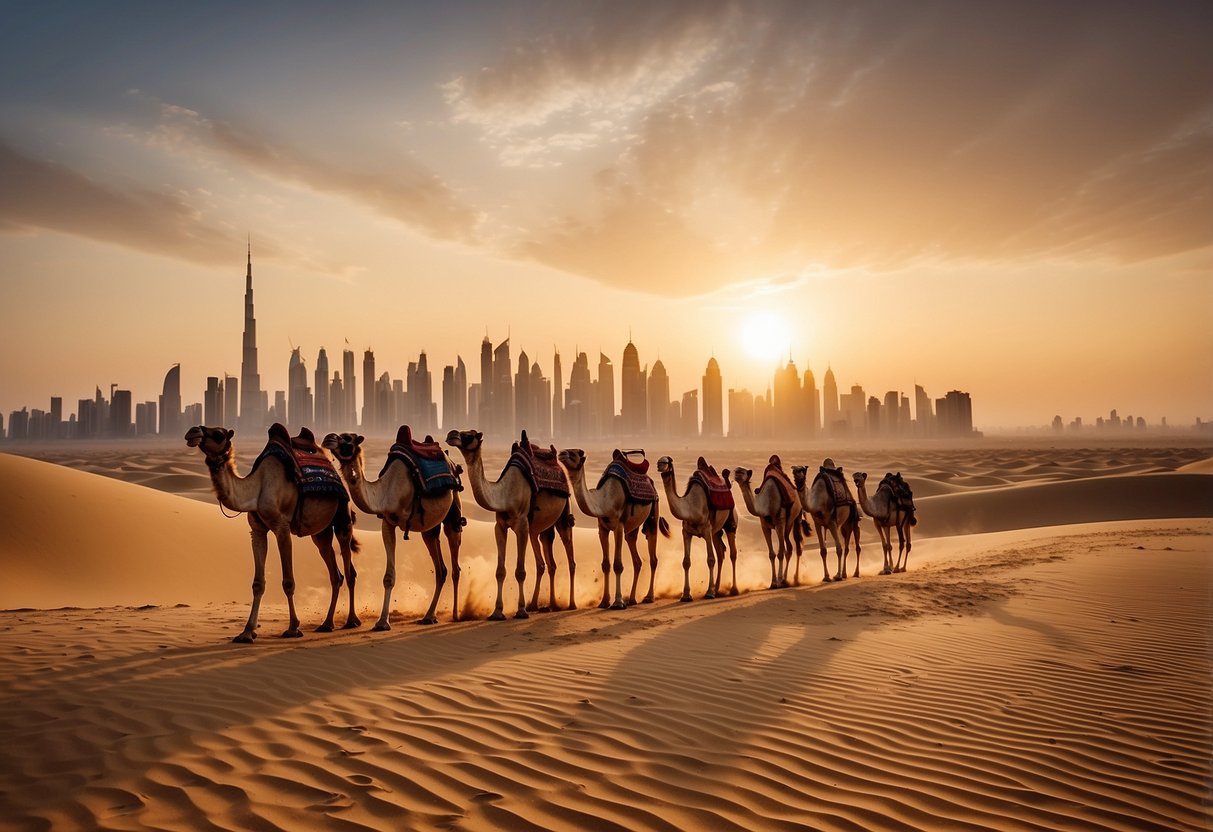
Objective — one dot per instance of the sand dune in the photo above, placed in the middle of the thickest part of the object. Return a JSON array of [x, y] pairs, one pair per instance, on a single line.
[[1045, 664]]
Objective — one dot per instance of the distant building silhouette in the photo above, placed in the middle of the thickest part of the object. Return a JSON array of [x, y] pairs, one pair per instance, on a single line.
[[713, 401], [658, 400], [252, 406], [830, 404], [634, 415], [954, 414], [170, 406], [369, 421], [322, 416]]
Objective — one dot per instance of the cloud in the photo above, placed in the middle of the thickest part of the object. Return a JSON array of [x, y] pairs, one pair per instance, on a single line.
[[767, 137], [408, 194], [41, 194]]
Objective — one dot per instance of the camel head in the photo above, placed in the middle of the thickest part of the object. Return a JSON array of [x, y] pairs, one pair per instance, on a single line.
[[572, 458], [215, 443], [665, 466], [800, 475], [344, 446], [467, 441], [742, 475], [860, 478]]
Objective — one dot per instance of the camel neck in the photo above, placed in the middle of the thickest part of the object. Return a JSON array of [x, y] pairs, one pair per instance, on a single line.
[[235, 493]]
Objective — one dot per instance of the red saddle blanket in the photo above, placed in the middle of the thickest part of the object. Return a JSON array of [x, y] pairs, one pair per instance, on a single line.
[[540, 466], [774, 471], [431, 469], [837, 483], [720, 493], [637, 484], [306, 463]]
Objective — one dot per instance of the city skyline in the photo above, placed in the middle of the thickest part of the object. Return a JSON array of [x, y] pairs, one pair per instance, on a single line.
[[1008, 199], [501, 405]]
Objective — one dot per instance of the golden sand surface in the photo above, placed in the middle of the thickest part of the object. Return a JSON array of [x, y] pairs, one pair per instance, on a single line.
[[1045, 663]]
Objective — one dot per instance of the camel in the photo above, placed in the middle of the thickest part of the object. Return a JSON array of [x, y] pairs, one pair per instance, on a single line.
[[272, 502], [625, 518], [395, 500], [889, 511], [699, 519], [819, 503], [530, 514], [768, 505]]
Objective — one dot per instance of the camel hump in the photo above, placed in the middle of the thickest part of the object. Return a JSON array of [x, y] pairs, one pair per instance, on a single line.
[[279, 433], [828, 463], [305, 441], [404, 435], [702, 464], [774, 460]]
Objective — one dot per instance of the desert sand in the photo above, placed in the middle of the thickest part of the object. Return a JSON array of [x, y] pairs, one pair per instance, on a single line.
[[1045, 663]]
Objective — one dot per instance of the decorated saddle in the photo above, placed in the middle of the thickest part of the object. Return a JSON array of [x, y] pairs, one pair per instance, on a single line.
[[718, 488], [837, 483], [539, 465], [900, 489], [305, 462], [637, 484], [774, 471], [431, 469]]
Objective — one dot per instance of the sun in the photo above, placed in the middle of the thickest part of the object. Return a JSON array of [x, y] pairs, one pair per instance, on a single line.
[[765, 336]]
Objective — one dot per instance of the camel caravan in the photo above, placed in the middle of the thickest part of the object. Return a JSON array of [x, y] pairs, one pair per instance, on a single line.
[[294, 490]]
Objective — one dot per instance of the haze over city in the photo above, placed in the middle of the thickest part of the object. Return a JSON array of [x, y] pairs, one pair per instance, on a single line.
[[1012, 200]]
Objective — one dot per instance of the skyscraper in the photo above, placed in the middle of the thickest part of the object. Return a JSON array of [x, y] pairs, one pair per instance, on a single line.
[[713, 400], [252, 419], [789, 413], [349, 412], [322, 417], [606, 396], [503, 391], [812, 404], [299, 395], [170, 404], [633, 412], [231, 402], [658, 400], [829, 402], [485, 414], [557, 398], [369, 421]]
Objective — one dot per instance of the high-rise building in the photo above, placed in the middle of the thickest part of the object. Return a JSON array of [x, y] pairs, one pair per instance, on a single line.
[[524, 416], [170, 405], [252, 414], [690, 414], [455, 396], [829, 403], [634, 410], [658, 400], [322, 416], [557, 397], [606, 396], [299, 401], [875, 416], [579, 404], [954, 414], [540, 391], [924, 419], [891, 413], [503, 391], [212, 401], [788, 403], [713, 400], [349, 413], [485, 414], [231, 401], [370, 422], [741, 414], [812, 404]]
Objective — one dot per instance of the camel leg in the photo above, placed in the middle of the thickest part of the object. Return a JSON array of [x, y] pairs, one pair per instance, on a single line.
[[713, 569], [540, 570], [766, 533], [566, 539], [732, 538], [454, 538], [903, 541], [686, 566], [632, 538], [433, 545], [617, 535], [604, 540], [798, 541], [500, 530], [523, 532], [821, 541], [261, 547], [345, 537], [283, 536], [857, 549], [651, 536], [787, 554], [324, 543], [547, 539], [841, 574], [886, 546]]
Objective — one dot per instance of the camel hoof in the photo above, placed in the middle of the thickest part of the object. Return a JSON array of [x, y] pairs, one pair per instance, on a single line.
[[245, 638], [604, 604], [686, 599], [521, 614], [733, 592], [352, 624], [429, 619], [497, 615], [648, 599], [572, 606], [381, 626], [826, 579], [708, 596], [326, 627], [619, 605], [545, 609], [291, 633]]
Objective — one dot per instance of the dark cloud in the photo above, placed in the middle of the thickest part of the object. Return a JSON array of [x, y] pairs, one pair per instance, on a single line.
[[875, 135], [40, 194]]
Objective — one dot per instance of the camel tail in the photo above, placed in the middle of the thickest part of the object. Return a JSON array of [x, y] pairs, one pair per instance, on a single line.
[[913, 519], [663, 526], [805, 528]]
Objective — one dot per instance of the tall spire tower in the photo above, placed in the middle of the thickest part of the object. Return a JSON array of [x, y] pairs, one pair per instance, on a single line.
[[251, 417]]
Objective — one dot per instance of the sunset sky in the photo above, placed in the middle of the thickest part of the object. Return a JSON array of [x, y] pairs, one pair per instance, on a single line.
[[1013, 199]]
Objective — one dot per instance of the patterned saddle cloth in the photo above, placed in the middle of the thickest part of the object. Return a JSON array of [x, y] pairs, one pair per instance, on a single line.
[[774, 471], [305, 462], [900, 489], [637, 484], [540, 466], [719, 491], [837, 483], [431, 468]]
